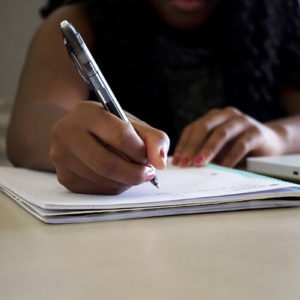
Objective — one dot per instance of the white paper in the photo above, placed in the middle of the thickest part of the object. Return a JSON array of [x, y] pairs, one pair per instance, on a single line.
[[178, 186]]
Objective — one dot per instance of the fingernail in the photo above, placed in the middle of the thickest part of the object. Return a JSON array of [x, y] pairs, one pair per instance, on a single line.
[[199, 160], [184, 161], [175, 160], [147, 165], [150, 177], [162, 153]]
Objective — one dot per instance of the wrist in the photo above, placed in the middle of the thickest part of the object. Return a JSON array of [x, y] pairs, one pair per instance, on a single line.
[[282, 134]]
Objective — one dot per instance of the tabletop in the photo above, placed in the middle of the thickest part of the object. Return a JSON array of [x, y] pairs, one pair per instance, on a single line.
[[232, 255]]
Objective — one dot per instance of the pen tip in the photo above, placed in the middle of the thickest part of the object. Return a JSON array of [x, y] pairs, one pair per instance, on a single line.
[[154, 181]]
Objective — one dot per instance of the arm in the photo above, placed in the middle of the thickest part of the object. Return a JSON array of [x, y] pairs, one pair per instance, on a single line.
[[226, 136], [46, 91], [53, 128], [289, 127]]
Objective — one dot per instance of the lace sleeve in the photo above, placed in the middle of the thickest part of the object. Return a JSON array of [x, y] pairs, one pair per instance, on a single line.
[[51, 5], [290, 53]]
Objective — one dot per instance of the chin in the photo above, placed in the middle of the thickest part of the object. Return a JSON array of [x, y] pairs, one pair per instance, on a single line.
[[184, 23]]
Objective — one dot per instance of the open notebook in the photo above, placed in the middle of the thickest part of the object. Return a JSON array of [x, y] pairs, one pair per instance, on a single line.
[[182, 191]]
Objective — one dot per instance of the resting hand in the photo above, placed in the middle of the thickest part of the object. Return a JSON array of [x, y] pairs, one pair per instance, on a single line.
[[96, 152], [226, 136]]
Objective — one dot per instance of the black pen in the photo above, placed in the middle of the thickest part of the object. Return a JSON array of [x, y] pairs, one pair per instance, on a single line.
[[89, 71]]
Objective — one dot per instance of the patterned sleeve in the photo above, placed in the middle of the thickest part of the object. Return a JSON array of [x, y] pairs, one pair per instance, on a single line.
[[51, 5], [290, 54]]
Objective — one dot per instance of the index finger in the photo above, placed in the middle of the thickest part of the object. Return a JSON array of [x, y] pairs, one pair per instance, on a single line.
[[112, 131]]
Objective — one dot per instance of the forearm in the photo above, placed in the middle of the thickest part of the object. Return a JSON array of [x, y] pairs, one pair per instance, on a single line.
[[289, 129], [29, 135], [49, 87]]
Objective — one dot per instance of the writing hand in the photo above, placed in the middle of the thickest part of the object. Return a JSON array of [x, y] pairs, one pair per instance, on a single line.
[[96, 152], [226, 136]]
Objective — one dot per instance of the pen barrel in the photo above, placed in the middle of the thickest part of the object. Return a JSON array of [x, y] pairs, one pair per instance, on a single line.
[[112, 108], [106, 97], [89, 71]]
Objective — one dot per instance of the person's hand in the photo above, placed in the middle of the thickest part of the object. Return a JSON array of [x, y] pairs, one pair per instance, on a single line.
[[226, 136], [96, 152]]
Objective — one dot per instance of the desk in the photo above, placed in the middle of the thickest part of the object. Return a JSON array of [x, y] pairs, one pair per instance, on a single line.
[[240, 255]]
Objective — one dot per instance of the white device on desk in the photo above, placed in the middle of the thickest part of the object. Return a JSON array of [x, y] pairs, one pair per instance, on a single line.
[[285, 166]]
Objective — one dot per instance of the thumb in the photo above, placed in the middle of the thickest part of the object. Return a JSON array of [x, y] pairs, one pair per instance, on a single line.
[[157, 144]]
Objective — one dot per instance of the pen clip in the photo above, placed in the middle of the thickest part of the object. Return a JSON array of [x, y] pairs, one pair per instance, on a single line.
[[76, 64]]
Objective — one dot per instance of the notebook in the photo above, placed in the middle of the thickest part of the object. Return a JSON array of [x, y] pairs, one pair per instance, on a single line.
[[182, 191]]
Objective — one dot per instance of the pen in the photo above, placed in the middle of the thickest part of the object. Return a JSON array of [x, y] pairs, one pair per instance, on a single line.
[[89, 71]]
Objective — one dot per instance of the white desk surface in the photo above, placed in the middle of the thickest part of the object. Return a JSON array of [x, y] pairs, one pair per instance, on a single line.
[[238, 255]]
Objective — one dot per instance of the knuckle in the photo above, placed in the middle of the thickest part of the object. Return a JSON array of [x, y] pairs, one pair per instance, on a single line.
[[66, 181], [244, 118], [73, 188], [55, 154], [137, 175], [241, 147], [113, 190], [136, 178], [255, 130], [213, 111], [222, 133], [211, 147], [61, 130], [122, 133], [232, 110], [56, 130], [204, 126], [163, 136], [108, 187]]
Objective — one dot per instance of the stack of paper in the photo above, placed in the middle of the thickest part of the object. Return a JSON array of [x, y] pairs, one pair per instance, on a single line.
[[182, 191]]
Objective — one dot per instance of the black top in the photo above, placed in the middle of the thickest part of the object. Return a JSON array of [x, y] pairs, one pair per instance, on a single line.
[[169, 78]]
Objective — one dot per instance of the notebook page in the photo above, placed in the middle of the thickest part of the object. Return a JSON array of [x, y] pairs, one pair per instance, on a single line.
[[176, 186]]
